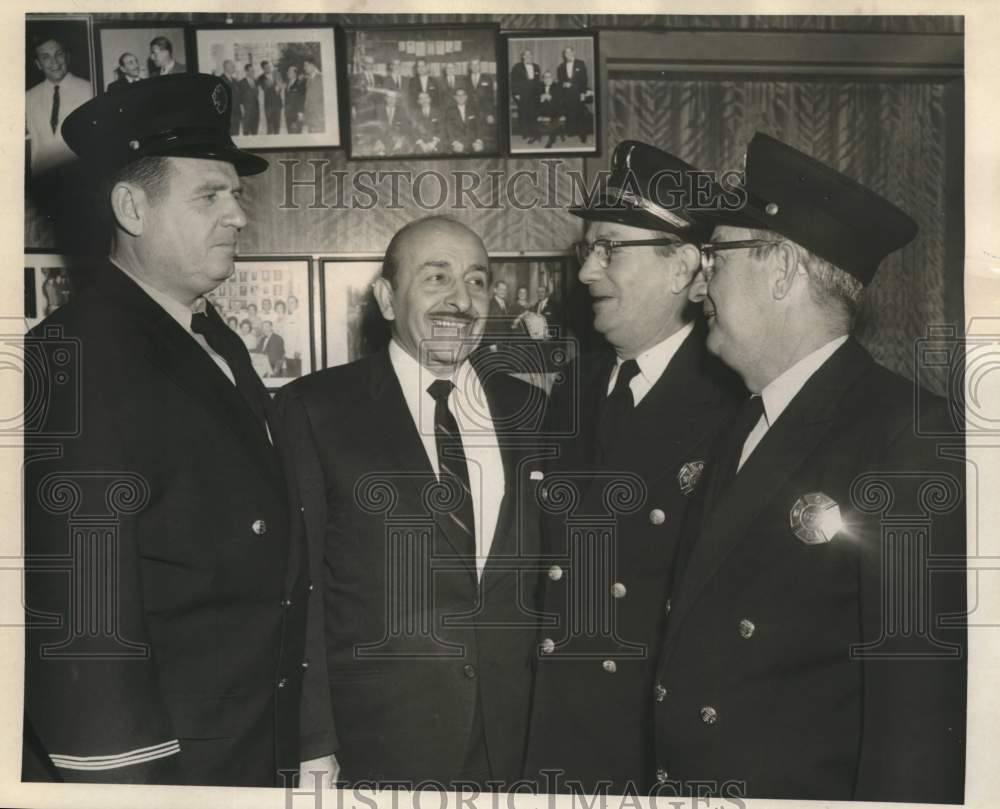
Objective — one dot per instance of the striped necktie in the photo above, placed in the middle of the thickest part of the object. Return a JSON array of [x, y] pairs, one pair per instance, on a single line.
[[451, 461]]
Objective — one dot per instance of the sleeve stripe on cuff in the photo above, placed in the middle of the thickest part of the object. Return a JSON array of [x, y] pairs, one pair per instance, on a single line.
[[143, 754]]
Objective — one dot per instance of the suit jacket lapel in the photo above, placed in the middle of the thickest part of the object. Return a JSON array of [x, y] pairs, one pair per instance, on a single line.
[[786, 445], [408, 458]]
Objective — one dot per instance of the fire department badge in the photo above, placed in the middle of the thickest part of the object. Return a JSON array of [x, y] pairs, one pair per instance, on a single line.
[[815, 518], [219, 98], [689, 475]]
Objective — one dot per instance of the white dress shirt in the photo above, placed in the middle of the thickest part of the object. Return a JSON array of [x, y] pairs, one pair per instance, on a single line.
[[468, 405], [780, 392], [652, 363], [48, 149]]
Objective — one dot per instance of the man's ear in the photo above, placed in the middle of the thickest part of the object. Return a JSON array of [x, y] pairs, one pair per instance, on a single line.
[[784, 269], [130, 206], [382, 290], [688, 263]]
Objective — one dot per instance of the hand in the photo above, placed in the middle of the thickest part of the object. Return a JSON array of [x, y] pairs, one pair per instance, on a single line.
[[325, 769], [537, 326]]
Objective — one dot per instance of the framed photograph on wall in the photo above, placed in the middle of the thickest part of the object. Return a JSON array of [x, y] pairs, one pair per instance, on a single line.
[[283, 80], [419, 91], [48, 284], [352, 324], [552, 102], [128, 52], [272, 317], [57, 54]]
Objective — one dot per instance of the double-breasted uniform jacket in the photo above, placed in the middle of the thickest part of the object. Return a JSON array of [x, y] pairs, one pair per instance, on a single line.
[[610, 533], [799, 668], [166, 598], [419, 654]]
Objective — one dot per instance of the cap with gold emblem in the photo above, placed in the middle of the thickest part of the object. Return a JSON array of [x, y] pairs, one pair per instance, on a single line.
[[652, 189], [179, 115], [828, 213]]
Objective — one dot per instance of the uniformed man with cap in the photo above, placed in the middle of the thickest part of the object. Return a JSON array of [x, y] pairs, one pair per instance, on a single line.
[[806, 654], [166, 587], [633, 437]]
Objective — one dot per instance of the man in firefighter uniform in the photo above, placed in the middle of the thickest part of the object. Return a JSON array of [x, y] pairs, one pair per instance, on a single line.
[[815, 646], [166, 587], [633, 437]]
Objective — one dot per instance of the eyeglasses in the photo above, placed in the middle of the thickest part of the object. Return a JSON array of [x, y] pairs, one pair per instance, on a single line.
[[709, 249], [603, 248]]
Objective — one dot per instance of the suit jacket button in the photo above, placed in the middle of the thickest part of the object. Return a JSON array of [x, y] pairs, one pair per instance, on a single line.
[[469, 671], [746, 628], [709, 715], [657, 516], [660, 692], [662, 776], [555, 572], [667, 607], [282, 682], [259, 527], [305, 664], [610, 666], [548, 646], [618, 590]]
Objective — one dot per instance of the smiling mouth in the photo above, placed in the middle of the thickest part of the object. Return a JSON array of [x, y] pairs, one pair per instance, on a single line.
[[449, 325]]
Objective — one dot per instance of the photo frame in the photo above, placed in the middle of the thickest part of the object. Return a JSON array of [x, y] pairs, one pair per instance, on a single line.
[[48, 284], [352, 324], [553, 105], [57, 51], [283, 79], [265, 310], [154, 47], [424, 91]]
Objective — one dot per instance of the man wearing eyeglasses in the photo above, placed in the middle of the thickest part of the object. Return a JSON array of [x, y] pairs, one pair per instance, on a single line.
[[811, 650], [632, 463]]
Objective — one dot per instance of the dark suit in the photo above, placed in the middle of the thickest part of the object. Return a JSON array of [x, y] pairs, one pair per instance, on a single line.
[[120, 84], [421, 660], [765, 685], [524, 92], [295, 103], [426, 128], [578, 118], [179, 482], [482, 93], [274, 347], [272, 103], [234, 120], [432, 90], [551, 108], [249, 106], [587, 721], [389, 133], [465, 130]]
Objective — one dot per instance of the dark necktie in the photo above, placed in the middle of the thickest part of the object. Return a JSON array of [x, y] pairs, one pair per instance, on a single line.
[[54, 118], [451, 459], [731, 447], [228, 345], [618, 407]]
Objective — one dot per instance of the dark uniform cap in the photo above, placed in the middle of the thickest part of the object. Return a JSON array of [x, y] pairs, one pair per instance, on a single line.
[[652, 189], [179, 115], [826, 212]]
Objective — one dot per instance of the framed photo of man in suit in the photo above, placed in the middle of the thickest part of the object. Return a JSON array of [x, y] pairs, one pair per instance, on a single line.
[[552, 101], [274, 318], [283, 81], [127, 52], [423, 92], [352, 327]]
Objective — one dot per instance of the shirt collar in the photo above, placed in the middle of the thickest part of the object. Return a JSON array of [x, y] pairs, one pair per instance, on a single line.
[[415, 378], [779, 392], [653, 361], [177, 310]]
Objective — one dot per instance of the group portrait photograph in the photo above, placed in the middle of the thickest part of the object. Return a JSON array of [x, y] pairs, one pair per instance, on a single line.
[[585, 406]]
